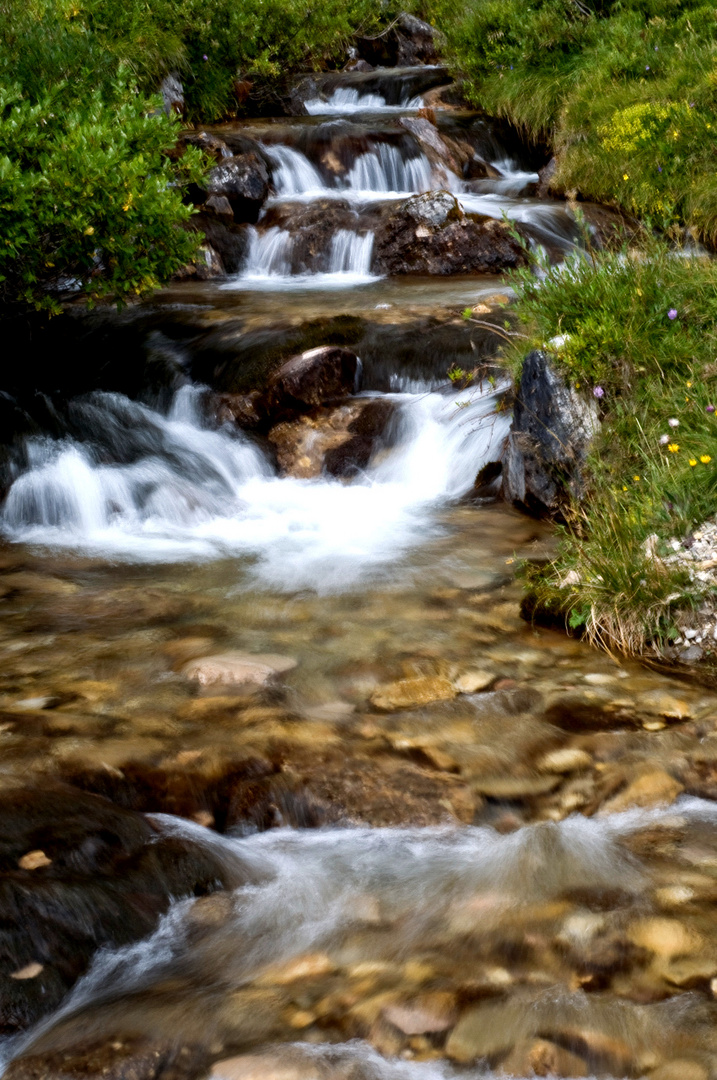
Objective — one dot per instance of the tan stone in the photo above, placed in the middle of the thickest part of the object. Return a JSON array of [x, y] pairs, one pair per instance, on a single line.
[[664, 937], [480, 1032], [309, 966], [540, 1057], [690, 971], [680, 1069], [261, 1067], [654, 788], [410, 693], [658, 703], [33, 860], [236, 667], [514, 787], [30, 971], [426, 1013], [471, 682], [565, 760]]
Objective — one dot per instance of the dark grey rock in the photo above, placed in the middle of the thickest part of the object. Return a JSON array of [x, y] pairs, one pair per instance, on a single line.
[[244, 181], [172, 93], [553, 426]]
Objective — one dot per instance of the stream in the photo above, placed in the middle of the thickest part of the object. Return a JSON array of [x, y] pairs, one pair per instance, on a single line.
[[449, 843]]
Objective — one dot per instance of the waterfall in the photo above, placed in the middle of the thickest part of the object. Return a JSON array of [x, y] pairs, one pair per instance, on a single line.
[[293, 173], [347, 99], [385, 170], [351, 253], [268, 254], [151, 487]]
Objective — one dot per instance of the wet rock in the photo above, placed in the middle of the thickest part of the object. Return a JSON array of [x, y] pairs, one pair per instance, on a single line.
[[680, 1069], [665, 937], [480, 1033], [412, 693], [546, 177], [471, 682], [339, 441], [261, 1067], [220, 207], [540, 1057], [430, 1012], [207, 265], [117, 1059], [654, 788], [310, 379], [244, 181], [105, 880], [565, 760], [226, 238], [514, 787], [430, 234], [210, 144], [238, 668], [298, 969], [552, 429]]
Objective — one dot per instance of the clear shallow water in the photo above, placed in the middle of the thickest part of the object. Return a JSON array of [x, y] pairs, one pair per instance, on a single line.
[[465, 904]]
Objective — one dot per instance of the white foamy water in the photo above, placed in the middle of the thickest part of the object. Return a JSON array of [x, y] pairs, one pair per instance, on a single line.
[[269, 262], [385, 172], [293, 173], [346, 100], [149, 487]]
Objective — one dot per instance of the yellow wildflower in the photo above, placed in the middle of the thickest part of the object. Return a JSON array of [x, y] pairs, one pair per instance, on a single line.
[[625, 176], [89, 230], [689, 382], [624, 488], [636, 478], [673, 447], [693, 462], [705, 458]]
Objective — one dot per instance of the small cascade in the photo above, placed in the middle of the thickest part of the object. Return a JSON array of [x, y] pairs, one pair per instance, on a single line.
[[351, 253], [268, 254], [347, 100], [384, 171], [179, 490], [293, 173]]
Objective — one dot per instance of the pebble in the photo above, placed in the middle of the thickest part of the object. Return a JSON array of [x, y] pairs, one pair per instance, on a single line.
[[33, 860], [237, 667], [410, 693], [565, 760], [471, 682], [30, 971]]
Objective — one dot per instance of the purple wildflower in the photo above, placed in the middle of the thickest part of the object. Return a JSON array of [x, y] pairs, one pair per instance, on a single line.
[[664, 439], [647, 67], [205, 57], [659, 168], [672, 313], [709, 408], [599, 392]]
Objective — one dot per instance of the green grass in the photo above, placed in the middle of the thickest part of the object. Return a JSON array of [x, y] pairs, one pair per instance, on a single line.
[[626, 93], [645, 476]]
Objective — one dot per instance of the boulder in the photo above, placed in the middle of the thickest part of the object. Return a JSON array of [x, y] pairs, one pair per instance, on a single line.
[[228, 240], [209, 143], [552, 429], [409, 42], [310, 379], [244, 180], [339, 441], [65, 853], [430, 234], [546, 177]]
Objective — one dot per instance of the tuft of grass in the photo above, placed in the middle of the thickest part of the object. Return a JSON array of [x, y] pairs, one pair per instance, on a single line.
[[640, 328]]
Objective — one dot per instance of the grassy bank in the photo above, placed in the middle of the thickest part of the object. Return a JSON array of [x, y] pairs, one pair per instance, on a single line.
[[624, 90], [639, 333]]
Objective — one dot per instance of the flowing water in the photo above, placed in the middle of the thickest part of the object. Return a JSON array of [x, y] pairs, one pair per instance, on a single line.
[[510, 871]]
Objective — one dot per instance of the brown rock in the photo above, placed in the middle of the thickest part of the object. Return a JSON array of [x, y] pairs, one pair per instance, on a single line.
[[426, 1013], [680, 1069], [664, 937], [471, 682], [411, 693], [654, 788], [481, 1032], [565, 760], [298, 969], [238, 667], [33, 860], [314, 377], [540, 1057]]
